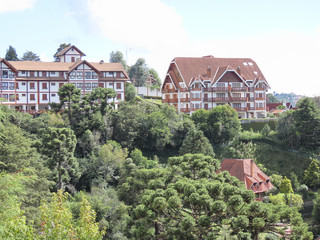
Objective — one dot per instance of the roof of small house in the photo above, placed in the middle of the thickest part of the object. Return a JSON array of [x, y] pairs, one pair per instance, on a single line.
[[241, 169], [66, 49]]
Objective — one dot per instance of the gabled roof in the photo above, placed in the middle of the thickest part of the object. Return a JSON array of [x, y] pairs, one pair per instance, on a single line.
[[241, 169], [6, 62], [78, 63], [65, 50], [191, 67], [106, 67]]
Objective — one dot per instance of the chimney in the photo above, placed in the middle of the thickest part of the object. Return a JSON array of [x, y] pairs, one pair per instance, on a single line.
[[239, 70], [209, 72], [252, 168], [101, 61]]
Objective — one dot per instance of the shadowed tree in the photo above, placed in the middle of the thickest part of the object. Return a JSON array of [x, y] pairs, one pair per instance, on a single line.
[[117, 57], [30, 56], [139, 72], [11, 54]]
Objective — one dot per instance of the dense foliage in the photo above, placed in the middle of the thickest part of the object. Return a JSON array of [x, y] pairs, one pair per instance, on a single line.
[[177, 192]]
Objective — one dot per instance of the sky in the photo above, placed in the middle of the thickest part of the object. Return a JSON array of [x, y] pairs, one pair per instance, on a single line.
[[281, 36]]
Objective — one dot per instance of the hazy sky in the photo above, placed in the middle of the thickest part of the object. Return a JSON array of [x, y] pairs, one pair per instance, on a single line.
[[282, 36]]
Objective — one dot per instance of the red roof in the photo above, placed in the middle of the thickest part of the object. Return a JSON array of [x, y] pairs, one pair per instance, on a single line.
[[271, 106], [254, 180], [191, 67]]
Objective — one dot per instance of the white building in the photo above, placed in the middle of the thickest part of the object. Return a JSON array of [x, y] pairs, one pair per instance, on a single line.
[[28, 85]]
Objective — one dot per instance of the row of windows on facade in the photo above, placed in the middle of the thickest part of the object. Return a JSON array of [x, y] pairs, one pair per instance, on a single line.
[[11, 85], [218, 85], [235, 105], [223, 95], [32, 97], [73, 75]]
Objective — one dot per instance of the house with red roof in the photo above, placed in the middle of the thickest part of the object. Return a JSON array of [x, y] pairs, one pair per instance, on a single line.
[[206, 82], [248, 172]]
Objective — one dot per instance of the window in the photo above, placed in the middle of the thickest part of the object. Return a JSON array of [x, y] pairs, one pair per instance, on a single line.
[[52, 73], [73, 75], [245, 63], [4, 86], [220, 85], [44, 97], [72, 59], [12, 97], [119, 96], [23, 72], [53, 94], [17, 97], [5, 74], [221, 95], [80, 85], [250, 63], [88, 86], [23, 95], [87, 75], [23, 84], [11, 74], [118, 85], [11, 86], [94, 85], [32, 86], [237, 105], [109, 74], [196, 95], [5, 97], [53, 84], [237, 85], [32, 97], [196, 105], [94, 75], [44, 85], [238, 95], [80, 74], [122, 75]]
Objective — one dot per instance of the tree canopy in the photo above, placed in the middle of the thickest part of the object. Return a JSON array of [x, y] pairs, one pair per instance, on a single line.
[[30, 56], [11, 54]]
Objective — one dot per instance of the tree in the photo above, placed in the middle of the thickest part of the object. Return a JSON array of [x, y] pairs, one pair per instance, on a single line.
[[307, 122], [117, 57], [196, 142], [60, 48], [139, 72], [69, 95], [30, 56], [11, 54], [58, 145], [129, 92], [271, 98], [316, 210], [58, 223], [287, 130], [157, 81], [285, 186], [190, 201], [223, 124], [312, 174], [100, 97], [12, 220]]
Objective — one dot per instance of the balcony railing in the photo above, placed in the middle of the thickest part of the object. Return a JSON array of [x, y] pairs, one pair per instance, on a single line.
[[241, 109], [195, 99], [250, 99], [195, 89], [259, 89], [220, 89], [238, 89], [206, 99], [221, 99], [260, 98], [260, 108], [184, 99], [235, 99]]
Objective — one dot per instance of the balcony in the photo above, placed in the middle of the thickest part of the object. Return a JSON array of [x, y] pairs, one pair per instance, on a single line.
[[221, 99], [206, 89], [239, 89], [250, 89], [185, 110], [260, 108], [250, 99], [220, 89], [184, 99], [195, 99], [260, 89], [241, 109], [206, 99], [238, 99], [251, 108], [260, 98]]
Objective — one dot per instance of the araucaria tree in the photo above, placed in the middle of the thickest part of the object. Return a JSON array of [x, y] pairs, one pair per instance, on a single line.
[[58, 145], [189, 200], [11, 54]]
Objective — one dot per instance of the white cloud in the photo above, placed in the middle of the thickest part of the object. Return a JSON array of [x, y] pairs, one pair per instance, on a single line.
[[149, 24], [154, 31], [15, 5]]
